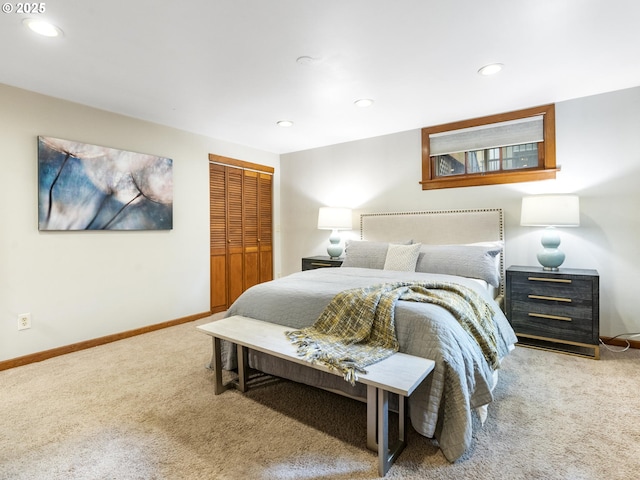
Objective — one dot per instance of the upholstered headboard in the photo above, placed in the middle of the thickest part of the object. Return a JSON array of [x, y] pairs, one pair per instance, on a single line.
[[436, 228]]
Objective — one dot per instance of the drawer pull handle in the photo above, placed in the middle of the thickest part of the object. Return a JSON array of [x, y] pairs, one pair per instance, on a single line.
[[316, 264], [551, 317], [553, 280], [557, 299]]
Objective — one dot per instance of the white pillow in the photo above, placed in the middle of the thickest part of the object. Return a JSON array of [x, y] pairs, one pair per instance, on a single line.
[[402, 257]]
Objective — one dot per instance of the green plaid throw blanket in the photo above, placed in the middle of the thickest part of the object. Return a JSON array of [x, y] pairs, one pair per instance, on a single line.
[[357, 328]]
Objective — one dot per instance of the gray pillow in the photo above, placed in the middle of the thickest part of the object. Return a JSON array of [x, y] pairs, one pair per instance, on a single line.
[[472, 261], [365, 254]]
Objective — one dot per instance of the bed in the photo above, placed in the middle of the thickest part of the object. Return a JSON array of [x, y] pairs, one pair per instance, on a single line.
[[463, 247]]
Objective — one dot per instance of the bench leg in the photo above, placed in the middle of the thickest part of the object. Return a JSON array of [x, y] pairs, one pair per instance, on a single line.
[[243, 362], [403, 418], [372, 418], [378, 427], [384, 462], [216, 366]]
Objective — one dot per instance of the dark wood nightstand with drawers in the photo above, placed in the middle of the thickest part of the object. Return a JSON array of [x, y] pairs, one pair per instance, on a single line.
[[310, 263], [555, 310]]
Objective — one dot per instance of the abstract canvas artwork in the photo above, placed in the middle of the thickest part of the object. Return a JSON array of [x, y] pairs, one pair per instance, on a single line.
[[88, 187]]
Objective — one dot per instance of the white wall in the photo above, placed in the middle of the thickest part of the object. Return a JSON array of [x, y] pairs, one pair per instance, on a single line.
[[83, 285], [596, 148]]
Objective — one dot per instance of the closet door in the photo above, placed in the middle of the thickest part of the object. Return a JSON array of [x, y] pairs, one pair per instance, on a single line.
[[235, 233], [265, 228], [251, 238], [258, 235], [241, 230], [218, 229]]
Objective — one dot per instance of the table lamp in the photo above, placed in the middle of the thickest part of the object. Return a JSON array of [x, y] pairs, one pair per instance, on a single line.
[[334, 219], [550, 211]]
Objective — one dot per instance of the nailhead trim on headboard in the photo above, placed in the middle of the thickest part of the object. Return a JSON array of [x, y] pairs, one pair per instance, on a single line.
[[391, 233]]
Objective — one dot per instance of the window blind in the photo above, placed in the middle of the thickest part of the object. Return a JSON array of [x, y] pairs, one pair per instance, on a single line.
[[501, 134]]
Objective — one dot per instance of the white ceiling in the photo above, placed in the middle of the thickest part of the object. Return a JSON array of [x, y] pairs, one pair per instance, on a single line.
[[227, 68]]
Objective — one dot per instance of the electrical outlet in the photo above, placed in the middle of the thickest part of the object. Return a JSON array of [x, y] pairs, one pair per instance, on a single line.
[[24, 321]]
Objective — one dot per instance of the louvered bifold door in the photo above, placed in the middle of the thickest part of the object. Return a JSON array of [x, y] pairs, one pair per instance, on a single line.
[[251, 240], [265, 227], [218, 229], [241, 232], [235, 234]]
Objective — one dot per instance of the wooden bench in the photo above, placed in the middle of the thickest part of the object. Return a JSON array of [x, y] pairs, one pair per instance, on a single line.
[[400, 374]]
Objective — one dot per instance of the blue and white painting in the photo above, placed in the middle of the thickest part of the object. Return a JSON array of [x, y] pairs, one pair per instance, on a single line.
[[88, 187]]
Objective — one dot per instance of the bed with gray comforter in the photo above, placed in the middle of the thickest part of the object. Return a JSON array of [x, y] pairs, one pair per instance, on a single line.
[[442, 407]]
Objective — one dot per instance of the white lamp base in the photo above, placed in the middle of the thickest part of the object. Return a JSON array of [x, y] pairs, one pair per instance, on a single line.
[[550, 257], [334, 249]]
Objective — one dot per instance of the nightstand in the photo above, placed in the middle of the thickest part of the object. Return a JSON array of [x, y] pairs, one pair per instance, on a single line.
[[555, 310], [310, 263]]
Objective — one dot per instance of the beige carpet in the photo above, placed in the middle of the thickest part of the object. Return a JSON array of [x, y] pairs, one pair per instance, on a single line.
[[143, 408]]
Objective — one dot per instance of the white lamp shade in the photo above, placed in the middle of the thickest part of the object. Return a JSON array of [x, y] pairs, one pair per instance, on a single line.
[[332, 218], [550, 210]]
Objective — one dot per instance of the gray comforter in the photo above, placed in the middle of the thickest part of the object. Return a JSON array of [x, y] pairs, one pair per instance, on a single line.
[[442, 406]]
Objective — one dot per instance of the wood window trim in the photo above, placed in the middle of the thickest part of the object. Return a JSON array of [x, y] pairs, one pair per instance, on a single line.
[[545, 171]]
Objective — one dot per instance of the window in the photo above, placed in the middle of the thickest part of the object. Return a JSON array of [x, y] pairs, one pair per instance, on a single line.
[[505, 148]]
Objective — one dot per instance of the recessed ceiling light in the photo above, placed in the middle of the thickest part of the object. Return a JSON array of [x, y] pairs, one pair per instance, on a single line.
[[490, 69], [42, 27], [363, 102], [285, 123]]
